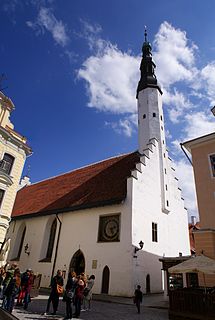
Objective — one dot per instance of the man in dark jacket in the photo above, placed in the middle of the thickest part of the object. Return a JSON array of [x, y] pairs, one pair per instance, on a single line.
[[138, 297]]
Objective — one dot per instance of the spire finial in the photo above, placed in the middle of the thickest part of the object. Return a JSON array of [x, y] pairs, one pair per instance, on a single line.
[[145, 34]]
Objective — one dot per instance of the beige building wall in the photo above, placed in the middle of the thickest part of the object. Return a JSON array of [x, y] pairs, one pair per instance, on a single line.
[[205, 243], [14, 144], [201, 149], [205, 182]]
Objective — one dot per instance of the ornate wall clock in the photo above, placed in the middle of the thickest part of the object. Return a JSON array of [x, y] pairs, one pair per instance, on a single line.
[[109, 228]]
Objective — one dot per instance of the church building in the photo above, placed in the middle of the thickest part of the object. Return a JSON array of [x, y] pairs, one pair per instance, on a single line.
[[114, 218], [13, 153]]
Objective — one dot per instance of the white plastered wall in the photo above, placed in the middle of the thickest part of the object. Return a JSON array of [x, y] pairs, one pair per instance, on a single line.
[[147, 208]]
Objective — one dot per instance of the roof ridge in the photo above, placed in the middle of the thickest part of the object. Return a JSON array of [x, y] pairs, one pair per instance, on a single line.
[[80, 168]]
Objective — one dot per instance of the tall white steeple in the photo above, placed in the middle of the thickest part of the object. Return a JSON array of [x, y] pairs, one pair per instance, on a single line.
[[150, 117]]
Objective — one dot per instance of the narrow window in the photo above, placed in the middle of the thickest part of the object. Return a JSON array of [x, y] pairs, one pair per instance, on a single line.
[[164, 155], [144, 116], [163, 142], [6, 163], [161, 118], [51, 240], [154, 232], [165, 170], [154, 114], [212, 161], [21, 244], [166, 187], [2, 192], [161, 127], [167, 203]]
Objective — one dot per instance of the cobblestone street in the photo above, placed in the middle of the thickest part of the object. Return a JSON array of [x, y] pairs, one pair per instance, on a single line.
[[100, 311]]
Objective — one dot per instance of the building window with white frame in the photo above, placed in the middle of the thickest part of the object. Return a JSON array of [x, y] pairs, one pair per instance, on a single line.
[[154, 232], [212, 162], [6, 163]]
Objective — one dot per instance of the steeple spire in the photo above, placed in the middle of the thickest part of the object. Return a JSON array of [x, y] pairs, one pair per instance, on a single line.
[[145, 34], [147, 68]]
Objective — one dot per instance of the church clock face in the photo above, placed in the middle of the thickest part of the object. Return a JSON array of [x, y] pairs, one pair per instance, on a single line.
[[109, 228]]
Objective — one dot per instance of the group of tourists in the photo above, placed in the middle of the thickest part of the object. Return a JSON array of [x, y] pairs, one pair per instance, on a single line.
[[77, 293], [14, 284]]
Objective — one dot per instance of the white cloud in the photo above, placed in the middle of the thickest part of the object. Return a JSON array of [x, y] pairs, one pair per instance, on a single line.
[[47, 21], [126, 125], [174, 56], [186, 182], [177, 103], [208, 78], [198, 124], [111, 77]]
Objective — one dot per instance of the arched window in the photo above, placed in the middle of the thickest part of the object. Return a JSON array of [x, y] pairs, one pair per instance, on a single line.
[[51, 240], [6, 163], [19, 242]]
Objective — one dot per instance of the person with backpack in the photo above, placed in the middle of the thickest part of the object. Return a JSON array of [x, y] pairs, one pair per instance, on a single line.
[[12, 290], [70, 293]]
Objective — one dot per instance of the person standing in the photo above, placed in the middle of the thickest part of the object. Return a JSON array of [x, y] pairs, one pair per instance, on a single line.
[[70, 293], [78, 297], [12, 290], [56, 290], [138, 297], [27, 297], [88, 292]]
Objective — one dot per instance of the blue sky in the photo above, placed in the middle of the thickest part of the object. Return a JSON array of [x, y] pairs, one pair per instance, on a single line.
[[72, 69]]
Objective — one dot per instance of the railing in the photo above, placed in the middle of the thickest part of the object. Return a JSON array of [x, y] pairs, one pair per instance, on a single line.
[[193, 303]]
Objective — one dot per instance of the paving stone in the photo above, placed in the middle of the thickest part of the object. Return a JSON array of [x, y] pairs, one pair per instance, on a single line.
[[100, 311]]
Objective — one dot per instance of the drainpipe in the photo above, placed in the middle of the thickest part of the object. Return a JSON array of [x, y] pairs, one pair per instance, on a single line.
[[182, 148], [57, 244]]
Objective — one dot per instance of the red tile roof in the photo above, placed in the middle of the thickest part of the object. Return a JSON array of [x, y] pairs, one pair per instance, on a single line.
[[95, 185]]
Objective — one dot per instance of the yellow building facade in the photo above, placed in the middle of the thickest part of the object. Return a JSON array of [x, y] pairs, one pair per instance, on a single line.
[[202, 150], [13, 153]]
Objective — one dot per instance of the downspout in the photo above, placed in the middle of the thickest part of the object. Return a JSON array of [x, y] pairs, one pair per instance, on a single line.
[[57, 244], [182, 148]]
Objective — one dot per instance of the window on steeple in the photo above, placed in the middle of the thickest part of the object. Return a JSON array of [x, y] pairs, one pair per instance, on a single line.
[[154, 114], [144, 116]]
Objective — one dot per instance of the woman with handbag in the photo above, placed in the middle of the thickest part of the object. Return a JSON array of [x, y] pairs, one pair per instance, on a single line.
[[56, 291], [88, 293], [70, 292]]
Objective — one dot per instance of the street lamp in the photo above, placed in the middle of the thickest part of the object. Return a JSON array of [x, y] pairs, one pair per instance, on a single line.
[[141, 244], [26, 249]]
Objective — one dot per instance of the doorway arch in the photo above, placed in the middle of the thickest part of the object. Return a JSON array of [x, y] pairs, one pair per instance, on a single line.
[[77, 263], [148, 289], [105, 280]]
